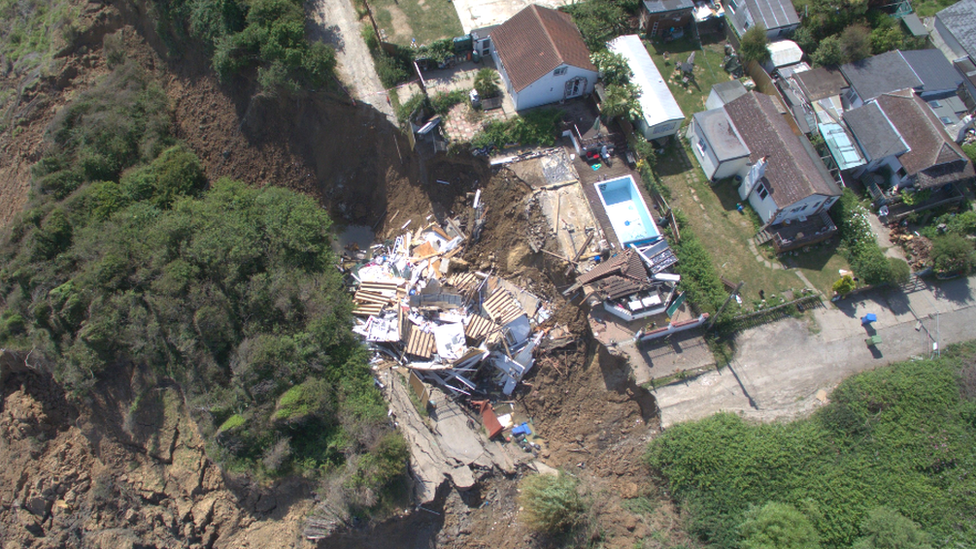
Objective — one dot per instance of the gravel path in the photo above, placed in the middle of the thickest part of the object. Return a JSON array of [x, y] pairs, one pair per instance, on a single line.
[[336, 23]]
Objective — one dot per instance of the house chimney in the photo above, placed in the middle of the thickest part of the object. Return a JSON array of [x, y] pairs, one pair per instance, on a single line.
[[755, 175]]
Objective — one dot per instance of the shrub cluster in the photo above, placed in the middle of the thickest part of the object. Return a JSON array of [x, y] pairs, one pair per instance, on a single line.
[[128, 259], [266, 38], [901, 437], [860, 246], [699, 279]]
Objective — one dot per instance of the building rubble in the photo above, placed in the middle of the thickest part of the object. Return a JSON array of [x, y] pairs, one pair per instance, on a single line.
[[468, 332]]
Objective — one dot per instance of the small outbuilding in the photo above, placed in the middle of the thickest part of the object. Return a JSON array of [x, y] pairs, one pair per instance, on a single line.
[[662, 117]]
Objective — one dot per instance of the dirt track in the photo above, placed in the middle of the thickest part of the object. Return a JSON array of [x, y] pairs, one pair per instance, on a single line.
[[337, 24]]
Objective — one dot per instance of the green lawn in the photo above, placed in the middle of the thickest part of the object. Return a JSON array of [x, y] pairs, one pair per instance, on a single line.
[[708, 70], [423, 20], [712, 215]]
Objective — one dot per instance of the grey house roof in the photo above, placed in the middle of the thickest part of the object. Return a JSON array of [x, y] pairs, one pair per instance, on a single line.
[[773, 14], [875, 134], [934, 70], [960, 20], [792, 171], [880, 74], [721, 135], [664, 6], [820, 83]]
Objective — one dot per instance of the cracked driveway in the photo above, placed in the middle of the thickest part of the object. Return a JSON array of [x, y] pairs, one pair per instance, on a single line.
[[337, 24]]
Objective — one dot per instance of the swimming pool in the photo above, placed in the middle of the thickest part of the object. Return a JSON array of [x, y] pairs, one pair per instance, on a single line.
[[627, 211]]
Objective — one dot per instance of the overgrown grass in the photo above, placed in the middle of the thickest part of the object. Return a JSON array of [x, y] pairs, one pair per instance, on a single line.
[[536, 127], [902, 437]]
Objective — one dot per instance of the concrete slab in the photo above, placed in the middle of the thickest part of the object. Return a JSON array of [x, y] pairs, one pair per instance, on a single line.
[[779, 368], [477, 14]]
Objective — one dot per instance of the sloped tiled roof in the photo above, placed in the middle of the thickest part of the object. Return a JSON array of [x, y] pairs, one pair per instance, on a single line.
[[934, 157], [820, 83], [960, 20], [536, 41], [792, 173], [880, 74]]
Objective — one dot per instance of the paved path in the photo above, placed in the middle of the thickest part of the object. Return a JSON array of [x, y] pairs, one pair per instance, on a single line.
[[787, 368], [336, 23]]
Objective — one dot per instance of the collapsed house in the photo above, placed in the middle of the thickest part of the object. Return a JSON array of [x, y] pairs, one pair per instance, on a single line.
[[631, 285], [446, 324]]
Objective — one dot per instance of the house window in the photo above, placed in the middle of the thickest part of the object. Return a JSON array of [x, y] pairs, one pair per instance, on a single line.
[[763, 193], [560, 71], [732, 7], [702, 147], [664, 127], [935, 103], [946, 120]]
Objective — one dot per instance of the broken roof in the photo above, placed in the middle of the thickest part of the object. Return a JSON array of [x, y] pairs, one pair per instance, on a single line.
[[536, 41], [627, 264], [821, 82], [875, 134], [792, 173], [929, 144], [880, 74], [664, 6], [960, 20]]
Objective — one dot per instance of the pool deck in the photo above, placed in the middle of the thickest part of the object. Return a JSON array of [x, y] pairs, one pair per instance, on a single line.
[[588, 181]]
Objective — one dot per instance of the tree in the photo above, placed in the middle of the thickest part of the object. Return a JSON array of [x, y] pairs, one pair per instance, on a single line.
[[844, 285], [754, 45], [552, 503], [887, 529], [829, 52], [621, 101], [952, 253], [613, 68], [777, 526], [855, 43], [486, 83], [970, 150]]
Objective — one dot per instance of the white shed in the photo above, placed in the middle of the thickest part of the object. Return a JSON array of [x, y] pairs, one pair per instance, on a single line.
[[662, 115]]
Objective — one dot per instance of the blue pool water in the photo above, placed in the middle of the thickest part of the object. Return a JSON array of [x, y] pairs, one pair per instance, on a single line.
[[627, 211]]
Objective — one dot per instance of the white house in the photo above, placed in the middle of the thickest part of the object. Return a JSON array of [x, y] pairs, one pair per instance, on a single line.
[[782, 177], [542, 58], [662, 115]]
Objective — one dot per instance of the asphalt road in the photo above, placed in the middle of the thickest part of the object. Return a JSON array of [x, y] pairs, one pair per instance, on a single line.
[[788, 368], [336, 23]]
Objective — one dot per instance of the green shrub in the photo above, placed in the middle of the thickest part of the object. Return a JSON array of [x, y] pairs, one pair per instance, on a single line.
[[535, 128], [844, 285], [859, 245], [699, 279], [551, 503], [777, 526], [486, 83], [887, 529], [829, 52], [951, 253], [754, 45], [900, 271], [442, 102], [233, 422], [896, 436]]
